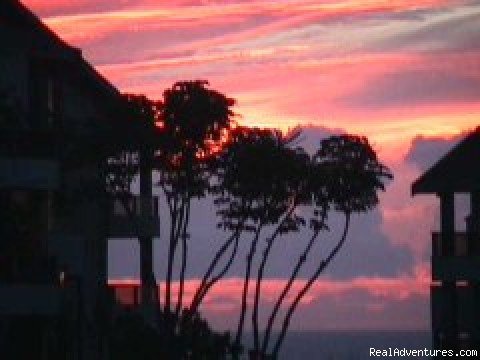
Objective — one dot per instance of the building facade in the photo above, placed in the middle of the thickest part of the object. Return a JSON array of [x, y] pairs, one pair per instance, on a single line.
[[455, 290], [55, 215]]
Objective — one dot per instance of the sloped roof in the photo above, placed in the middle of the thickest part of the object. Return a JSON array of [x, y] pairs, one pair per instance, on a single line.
[[458, 171], [13, 12]]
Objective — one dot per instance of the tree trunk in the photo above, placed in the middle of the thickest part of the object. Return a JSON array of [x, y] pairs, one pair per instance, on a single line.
[[281, 298], [261, 269], [184, 260], [171, 257], [199, 292], [207, 284], [243, 309], [303, 291]]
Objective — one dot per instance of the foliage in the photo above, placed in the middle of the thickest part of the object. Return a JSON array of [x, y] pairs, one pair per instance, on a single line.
[[132, 338], [352, 173], [278, 177], [193, 120], [259, 179]]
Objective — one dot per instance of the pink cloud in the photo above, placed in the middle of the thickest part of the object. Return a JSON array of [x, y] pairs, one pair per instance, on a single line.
[[96, 21], [378, 295]]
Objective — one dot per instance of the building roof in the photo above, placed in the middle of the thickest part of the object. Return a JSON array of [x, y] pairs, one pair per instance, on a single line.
[[14, 13], [458, 171]]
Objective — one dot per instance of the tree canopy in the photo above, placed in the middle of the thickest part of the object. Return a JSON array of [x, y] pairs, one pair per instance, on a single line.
[[258, 179]]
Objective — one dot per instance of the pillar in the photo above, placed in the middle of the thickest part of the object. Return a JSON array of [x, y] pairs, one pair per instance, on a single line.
[[148, 283], [449, 293], [473, 233], [473, 223], [447, 223]]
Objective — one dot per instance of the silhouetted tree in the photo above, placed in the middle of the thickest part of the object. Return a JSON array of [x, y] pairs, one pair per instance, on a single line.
[[259, 179], [234, 203], [254, 179], [345, 176], [194, 120]]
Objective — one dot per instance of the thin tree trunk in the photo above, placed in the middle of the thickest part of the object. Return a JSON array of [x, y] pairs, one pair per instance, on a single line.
[[184, 260], [222, 273], [281, 298], [261, 269], [303, 291], [211, 268], [243, 309], [201, 291], [171, 256], [178, 223]]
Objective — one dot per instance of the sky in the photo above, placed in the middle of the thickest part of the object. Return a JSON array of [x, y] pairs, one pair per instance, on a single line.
[[404, 73]]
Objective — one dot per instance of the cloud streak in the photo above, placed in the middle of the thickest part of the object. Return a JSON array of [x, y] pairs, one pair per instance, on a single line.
[[223, 300], [398, 71]]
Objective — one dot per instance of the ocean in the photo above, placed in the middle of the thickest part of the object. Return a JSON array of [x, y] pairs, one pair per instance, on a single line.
[[350, 345]]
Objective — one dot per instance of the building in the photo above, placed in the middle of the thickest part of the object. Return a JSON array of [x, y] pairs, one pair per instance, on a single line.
[[455, 290], [55, 215]]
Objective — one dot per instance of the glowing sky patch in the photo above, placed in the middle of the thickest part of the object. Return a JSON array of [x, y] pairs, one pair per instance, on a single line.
[[387, 69]]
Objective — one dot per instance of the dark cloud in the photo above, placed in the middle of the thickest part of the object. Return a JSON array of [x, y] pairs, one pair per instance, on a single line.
[[417, 86], [368, 251], [424, 151], [455, 33]]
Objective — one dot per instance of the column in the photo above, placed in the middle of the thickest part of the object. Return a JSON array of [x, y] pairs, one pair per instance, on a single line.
[[473, 232], [449, 295], [148, 283], [473, 223], [447, 223]]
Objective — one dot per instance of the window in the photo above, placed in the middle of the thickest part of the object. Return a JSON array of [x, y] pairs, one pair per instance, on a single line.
[[44, 93], [50, 95]]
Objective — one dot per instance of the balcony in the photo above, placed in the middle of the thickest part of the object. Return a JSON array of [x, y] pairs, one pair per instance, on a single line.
[[123, 226], [128, 293], [461, 245], [26, 173], [460, 266], [459, 306]]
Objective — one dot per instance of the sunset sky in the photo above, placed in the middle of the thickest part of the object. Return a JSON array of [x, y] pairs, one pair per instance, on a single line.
[[405, 73]]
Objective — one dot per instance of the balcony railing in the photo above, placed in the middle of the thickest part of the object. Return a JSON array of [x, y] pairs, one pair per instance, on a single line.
[[459, 306], [460, 244], [128, 293], [459, 266]]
